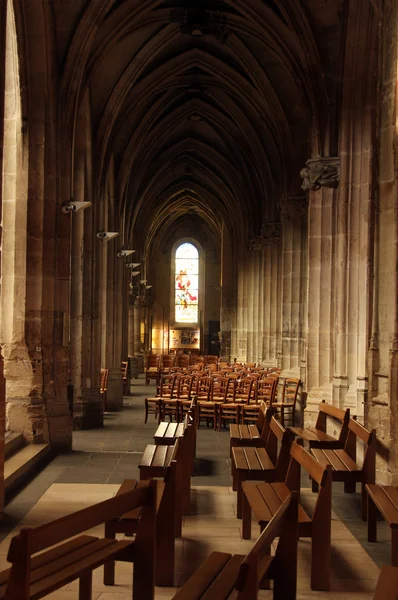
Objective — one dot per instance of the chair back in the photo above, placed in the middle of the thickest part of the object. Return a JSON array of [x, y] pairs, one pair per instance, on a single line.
[[244, 390], [152, 360], [168, 361], [220, 388], [167, 386], [182, 361], [204, 388], [184, 387], [211, 359], [266, 389]]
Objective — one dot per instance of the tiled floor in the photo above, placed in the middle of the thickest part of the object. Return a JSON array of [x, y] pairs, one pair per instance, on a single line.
[[103, 458]]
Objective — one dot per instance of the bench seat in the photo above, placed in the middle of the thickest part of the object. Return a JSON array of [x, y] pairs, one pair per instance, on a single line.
[[154, 461], [384, 498], [65, 563], [167, 433], [316, 438]]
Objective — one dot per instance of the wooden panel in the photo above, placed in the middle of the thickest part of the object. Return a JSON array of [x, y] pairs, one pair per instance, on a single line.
[[199, 582]]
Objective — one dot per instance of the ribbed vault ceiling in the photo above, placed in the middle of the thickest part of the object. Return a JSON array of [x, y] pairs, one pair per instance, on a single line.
[[205, 107]]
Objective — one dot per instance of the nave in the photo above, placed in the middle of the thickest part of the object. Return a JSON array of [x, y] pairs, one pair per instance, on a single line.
[[102, 459]]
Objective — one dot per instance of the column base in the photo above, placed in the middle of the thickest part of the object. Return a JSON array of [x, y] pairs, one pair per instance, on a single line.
[[114, 396], [88, 410]]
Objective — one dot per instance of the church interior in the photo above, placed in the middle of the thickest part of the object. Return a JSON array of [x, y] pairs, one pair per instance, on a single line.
[[203, 195]]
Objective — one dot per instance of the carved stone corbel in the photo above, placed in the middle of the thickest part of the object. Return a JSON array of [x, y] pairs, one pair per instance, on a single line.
[[293, 208], [320, 172], [269, 232]]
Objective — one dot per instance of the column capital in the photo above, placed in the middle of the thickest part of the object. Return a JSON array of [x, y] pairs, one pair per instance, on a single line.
[[269, 232], [323, 171]]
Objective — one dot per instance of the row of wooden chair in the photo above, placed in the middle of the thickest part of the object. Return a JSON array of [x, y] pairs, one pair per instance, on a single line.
[[221, 399]]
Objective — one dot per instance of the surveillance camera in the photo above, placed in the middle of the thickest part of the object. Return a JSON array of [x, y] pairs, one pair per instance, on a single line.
[[123, 252], [71, 206], [68, 208], [107, 235]]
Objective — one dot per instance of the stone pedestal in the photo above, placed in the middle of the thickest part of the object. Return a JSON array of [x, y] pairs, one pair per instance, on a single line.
[[114, 397]]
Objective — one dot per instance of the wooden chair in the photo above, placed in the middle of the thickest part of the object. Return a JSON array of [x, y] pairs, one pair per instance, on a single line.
[[152, 370], [182, 361], [317, 436], [264, 499], [290, 392], [343, 462], [264, 390], [207, 408], [223, 576], [185, 393], [387, 584], [254, 435], [230, 408], [262, 464], [104, 387], [169, 403], [211, 359], [154, 405], [124, 370], [33, 576], [167, 363]]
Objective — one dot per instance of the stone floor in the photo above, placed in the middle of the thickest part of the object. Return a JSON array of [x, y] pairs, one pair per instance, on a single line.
[[103, 458]]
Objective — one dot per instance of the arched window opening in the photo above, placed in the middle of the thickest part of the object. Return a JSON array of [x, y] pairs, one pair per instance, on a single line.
[[186, 284]]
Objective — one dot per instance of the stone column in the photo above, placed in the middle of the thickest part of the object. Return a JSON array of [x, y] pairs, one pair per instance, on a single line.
[[131, 329], [87, 409], [113, 311], [320, 299], [137, 327], [294, 238], [228, 293]]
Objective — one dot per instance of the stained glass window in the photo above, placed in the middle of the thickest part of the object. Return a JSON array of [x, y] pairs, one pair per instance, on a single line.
[[186, 284]]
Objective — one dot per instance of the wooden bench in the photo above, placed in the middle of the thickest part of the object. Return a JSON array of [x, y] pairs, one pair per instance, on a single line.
[[343, 462], [317, 436], [156, 460], [261, 464], [383, 498], [387, 584], [34, 576], [264, 499], [254, 434], [168, 525], [168, 432], [223, 574]]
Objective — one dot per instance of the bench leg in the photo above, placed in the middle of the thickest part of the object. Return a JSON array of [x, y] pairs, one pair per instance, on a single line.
[[320, 559], [246, 518], [372, 520], [315, 486], [86, 586], [265, 584], [364, 503], [239, 480], [109, 567], [233, 473], [349, 487], [394, 547]]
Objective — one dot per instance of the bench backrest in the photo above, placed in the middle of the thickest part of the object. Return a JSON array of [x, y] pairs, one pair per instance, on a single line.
[[338, 414], [356, 432], [387, 584], [263, 419], [278, 446], [32, 540], [284, 524]]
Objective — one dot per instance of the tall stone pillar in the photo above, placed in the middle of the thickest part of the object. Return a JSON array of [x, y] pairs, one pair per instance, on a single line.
[[84, 355], [137, 327], [131, 329], [322, 199], [228, 291], [294, 238]]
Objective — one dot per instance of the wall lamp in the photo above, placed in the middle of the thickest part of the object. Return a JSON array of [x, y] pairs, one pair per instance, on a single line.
[[132, 265], [148, 287], [70, 206], [122, 252], [143, 281], [135, 273], [107, 235]]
